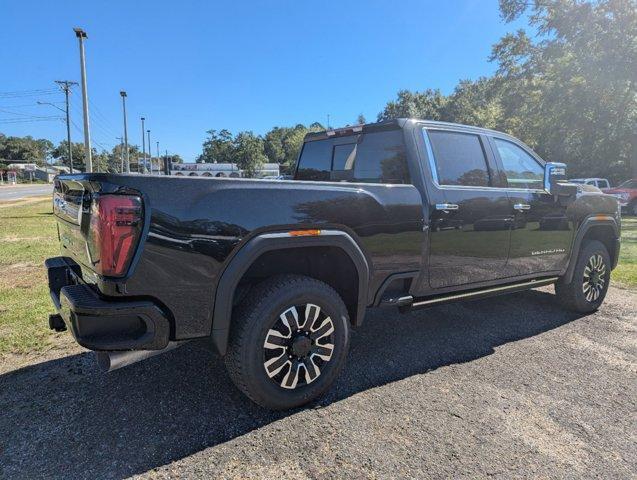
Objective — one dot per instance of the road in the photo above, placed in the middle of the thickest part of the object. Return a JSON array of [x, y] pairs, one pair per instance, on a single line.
[[16, 192], [510, 387]]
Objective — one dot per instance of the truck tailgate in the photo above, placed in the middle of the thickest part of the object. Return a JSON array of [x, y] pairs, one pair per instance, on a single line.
[[70, 199]]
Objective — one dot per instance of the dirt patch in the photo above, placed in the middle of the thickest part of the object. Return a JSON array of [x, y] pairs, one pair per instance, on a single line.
[[64, 346], [22, 201], [16, 238], [22, 275]]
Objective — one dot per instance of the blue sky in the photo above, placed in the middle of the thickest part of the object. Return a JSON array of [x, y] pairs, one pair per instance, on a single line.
[[191, 66]]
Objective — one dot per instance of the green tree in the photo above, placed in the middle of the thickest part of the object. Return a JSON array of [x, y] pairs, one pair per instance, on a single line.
[[61, 155], [283, 144], [360, 120], [118, 152], [569, 90], [428, 104], [26, 149], [475, 103], [249, 153], [217, 148], [175, 158], [274, 144]]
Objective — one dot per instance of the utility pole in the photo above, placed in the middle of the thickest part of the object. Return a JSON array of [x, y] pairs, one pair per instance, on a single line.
[[66, 85], [121, 154], [81, 35], [150, 153], [158, 158], [143, 147], [328, 121], [123, 94]]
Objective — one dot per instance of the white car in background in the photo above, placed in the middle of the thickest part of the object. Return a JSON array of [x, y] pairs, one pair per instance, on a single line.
[[596, 182]]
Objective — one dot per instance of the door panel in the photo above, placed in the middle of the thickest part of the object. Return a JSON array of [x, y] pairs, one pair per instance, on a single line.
[[470, 220], [541, 236], [469, 244]]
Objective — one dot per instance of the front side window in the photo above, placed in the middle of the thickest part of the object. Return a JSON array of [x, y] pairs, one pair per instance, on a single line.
[[520, 168], [459, 159]]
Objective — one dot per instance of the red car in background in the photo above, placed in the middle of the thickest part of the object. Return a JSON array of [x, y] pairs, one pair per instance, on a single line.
[[626, 193]]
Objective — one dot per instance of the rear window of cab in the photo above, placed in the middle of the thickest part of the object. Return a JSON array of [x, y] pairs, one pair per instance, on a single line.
[[376, 157]]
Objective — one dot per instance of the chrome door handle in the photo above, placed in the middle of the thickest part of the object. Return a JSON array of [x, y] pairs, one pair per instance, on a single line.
[[446, 207], [521, 206]]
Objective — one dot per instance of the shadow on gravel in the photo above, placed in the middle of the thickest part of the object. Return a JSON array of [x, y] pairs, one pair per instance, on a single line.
[[65, 419]]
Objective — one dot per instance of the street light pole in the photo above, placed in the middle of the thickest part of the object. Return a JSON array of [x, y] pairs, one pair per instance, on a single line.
[[123, 94], [65, 85], [81, 35], [143, 146], [150, 154], [121, 154]]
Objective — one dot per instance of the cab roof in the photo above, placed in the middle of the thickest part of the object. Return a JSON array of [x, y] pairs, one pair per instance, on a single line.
[[393, 124]]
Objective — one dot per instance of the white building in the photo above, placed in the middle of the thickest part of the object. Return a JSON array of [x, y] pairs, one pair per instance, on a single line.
[[220, 170]]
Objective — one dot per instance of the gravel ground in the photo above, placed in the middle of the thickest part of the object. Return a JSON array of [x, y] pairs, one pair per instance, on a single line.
[[506, 387]]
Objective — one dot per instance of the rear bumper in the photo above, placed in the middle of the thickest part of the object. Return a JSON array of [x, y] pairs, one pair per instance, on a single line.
[[100, 323]]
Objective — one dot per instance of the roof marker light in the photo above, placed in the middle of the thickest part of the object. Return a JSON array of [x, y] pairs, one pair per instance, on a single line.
[[304, 233]]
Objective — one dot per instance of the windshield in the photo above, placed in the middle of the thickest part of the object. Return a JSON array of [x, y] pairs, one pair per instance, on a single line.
[[628, 184]]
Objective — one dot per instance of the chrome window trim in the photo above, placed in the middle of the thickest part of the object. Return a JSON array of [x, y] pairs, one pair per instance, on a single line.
[[434, 170]]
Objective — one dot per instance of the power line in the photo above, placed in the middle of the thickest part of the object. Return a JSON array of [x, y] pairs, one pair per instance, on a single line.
[[99, 114], [29, 105], [28, 94], [79, 130], [16, 92], [28, 120], [98, 129], [19, 113], [96, 122]]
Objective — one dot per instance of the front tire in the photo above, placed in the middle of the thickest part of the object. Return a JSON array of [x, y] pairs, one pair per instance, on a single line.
[[591, 276], [288, 342]]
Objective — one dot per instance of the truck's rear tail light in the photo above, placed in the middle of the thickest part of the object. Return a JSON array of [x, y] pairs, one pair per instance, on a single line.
[[115, 227]]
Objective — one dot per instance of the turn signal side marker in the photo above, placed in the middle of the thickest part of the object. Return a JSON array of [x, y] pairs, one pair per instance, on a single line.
[[304, 233]]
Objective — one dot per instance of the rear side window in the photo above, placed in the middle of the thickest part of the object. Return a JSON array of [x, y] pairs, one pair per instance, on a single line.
[[380, 157], [520, 168], [377, 157], [459, 159], [315, 162]]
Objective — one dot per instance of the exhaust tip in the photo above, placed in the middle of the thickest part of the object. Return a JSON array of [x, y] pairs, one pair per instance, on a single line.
[[56, 322], [107, 361]]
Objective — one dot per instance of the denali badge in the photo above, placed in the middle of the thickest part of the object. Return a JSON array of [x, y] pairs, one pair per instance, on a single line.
[[548, 252]]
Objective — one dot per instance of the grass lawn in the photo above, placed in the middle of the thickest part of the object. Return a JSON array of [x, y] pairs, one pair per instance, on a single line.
[[626, 271], [28, 236]]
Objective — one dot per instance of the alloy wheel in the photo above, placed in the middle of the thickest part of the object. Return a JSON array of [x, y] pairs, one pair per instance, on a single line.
[[594, 278], [298, 346]]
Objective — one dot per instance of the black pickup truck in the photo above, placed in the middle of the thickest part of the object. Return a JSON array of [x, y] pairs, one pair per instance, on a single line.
[[404, 213]]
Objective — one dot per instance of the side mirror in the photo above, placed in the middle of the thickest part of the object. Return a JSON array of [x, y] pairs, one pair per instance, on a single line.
[[555, 181]]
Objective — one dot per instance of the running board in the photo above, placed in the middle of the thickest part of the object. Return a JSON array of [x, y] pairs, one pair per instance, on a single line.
[[476, 294]]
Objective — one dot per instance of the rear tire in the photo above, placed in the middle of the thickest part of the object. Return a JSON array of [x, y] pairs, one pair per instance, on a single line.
[[288, 343], [591, 276]]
